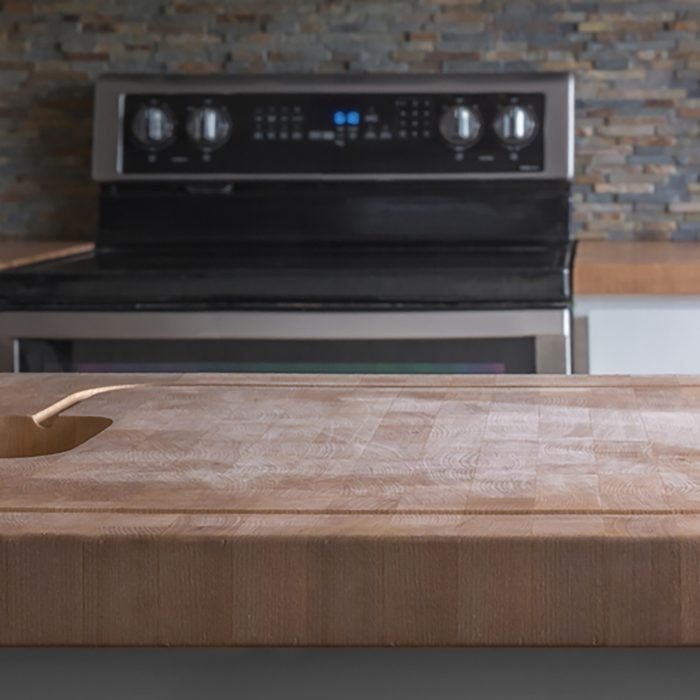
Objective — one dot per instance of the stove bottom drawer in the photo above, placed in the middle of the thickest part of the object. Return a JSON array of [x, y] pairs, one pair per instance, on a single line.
[[469, 342]]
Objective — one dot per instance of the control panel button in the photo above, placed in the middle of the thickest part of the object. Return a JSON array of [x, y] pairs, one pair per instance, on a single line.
[[209, 127], [413, 117], [282, 123], [516, 125], [461, 125], [153, 126]]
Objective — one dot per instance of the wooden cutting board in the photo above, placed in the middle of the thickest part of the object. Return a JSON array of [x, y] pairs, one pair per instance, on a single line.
[[355, 510]]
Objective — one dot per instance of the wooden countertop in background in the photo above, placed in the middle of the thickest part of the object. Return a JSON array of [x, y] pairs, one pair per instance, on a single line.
[[243, 510], [14, 253], [611, 267]]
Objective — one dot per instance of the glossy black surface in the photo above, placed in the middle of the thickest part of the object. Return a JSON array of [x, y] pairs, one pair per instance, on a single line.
[[314, 245], [165, 217], [434, 356], [278, 277]]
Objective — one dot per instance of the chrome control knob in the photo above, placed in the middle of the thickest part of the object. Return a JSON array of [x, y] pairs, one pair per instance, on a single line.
[[516, 125], [153, 126], [209, 127], [460, 125]]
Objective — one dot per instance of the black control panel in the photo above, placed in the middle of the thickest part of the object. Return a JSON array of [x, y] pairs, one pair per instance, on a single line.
[[295, 133]]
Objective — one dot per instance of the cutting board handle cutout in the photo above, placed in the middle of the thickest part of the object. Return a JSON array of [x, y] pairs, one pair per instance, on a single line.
[[47, 432], [20, 436], [48, 415]]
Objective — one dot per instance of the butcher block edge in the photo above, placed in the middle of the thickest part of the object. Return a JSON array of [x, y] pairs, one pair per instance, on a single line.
[[407, 580]]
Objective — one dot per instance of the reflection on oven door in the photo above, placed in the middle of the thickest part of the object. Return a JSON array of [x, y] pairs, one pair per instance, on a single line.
[[440, 356]]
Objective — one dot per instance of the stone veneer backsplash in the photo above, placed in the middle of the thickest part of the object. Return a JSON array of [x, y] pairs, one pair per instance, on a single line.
[[637, 65]]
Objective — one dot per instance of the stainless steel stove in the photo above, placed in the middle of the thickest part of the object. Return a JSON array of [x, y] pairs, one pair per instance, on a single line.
[[319, 223]]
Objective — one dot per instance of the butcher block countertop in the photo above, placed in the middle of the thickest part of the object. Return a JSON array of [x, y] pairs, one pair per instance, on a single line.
[[14, 253], [612, 267], [349, 510]]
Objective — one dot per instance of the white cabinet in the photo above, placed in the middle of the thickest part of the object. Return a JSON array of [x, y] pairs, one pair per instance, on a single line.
[[637, 334]]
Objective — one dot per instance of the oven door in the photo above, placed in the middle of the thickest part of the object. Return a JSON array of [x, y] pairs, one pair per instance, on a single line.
[[451, 342]]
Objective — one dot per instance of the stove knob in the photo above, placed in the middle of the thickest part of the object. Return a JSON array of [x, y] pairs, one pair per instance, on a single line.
[[460, 125], [209, 127], [516, 125], [153, 127]]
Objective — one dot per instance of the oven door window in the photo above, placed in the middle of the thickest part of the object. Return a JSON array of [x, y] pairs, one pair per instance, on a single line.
[[455, 356]]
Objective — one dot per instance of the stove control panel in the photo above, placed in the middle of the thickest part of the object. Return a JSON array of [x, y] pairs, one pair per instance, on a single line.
[[489, 128], [333, 133]]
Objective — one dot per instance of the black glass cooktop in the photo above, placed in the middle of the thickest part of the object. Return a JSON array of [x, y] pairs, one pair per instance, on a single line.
[[279, 277]]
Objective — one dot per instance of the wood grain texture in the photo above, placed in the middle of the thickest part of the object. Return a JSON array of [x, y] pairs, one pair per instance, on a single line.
[[14, 253], [357, 510], [621, 267]]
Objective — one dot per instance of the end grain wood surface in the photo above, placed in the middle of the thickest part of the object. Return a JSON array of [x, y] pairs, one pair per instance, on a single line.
[[357, 510], [14, 253], [640, 267]]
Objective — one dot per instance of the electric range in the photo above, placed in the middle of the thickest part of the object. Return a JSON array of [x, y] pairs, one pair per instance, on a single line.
[[316, 223]]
